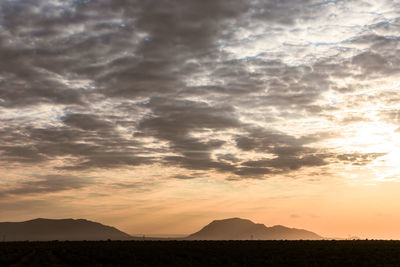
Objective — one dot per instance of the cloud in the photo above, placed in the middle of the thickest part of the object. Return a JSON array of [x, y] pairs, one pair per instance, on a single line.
[[358, 158], [46, 184], [175, 121], [97, 146], [88, 122], [245, 88]]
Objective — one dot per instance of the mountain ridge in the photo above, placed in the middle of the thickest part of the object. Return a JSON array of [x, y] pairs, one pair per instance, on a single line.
[[41, 229], [244, 229]]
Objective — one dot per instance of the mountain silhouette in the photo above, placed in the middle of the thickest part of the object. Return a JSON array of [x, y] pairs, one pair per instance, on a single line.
[[242, 229], [64, 229]]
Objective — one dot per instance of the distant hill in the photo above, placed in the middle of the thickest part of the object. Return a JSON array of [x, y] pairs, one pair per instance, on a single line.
[[65, 229], [242, 229]]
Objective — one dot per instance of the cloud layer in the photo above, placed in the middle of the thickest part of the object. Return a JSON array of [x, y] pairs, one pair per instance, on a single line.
[[245, 89]]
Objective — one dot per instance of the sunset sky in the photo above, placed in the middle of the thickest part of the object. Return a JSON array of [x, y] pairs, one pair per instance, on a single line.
[[160, 116]]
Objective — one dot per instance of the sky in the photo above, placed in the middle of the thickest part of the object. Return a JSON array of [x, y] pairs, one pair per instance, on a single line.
[[160, 116]]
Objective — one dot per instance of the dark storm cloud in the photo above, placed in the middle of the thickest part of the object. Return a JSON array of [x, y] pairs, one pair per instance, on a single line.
[[87, 56], [147, 53], [272, 84], [105, 159], [382, 59], [174, 121], [282, 11], [126, 49], [184, 177], [24, 81], [22, 87], [46, 184], [252, 172], [371, 63], [288, 153], [87, 122], [199, 163], [96, 146], [259, 139], [145, 50], [289, 162], [359, 159], [22, 154]]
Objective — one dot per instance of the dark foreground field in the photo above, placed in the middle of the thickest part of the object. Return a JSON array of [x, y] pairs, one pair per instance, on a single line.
[[201, 253]]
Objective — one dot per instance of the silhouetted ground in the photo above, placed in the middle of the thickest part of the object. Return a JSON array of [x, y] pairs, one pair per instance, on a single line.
[[201, 253]]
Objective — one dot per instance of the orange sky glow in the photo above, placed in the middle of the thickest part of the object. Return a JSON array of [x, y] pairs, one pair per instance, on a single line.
[[159, 118]]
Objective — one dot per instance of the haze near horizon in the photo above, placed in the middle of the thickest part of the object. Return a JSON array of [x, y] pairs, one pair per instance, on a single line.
[[158, 117]]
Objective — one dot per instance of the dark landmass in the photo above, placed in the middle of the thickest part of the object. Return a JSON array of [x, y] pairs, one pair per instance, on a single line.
[[78, 230], [242, 229], [65, 229], [201, 253]]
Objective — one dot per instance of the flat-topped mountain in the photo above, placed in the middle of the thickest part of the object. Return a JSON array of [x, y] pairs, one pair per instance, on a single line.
[[64, 229], [242, 229]]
